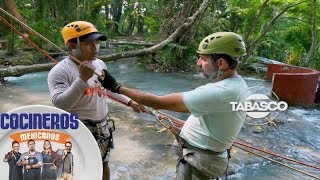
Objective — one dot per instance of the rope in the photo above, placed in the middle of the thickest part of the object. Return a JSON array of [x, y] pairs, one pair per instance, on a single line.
[[237, 143], [178, 122], [283, 164], [277, 155], [42, 37], [27, 39], [36, 33]]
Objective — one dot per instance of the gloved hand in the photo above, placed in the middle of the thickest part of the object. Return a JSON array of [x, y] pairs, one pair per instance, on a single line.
[[109, 82]]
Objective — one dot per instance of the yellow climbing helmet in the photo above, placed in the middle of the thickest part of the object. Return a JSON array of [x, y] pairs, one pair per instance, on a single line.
[[77, 29], [228, 43]]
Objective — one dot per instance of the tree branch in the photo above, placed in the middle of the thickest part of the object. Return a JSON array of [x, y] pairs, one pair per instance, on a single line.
[[183, 28], [21, 70], [254, 23], [268, 27]]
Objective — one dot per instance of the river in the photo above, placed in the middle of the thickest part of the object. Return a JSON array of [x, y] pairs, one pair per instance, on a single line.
[[297, 133]]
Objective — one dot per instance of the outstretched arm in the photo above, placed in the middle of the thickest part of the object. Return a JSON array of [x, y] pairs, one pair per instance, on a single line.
[[173, 102]]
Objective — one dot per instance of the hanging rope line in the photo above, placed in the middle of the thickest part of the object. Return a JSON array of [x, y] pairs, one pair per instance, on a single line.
[[101, 76], [238, 144], [36, 33], [277, 155], [174, 125], [283, 164], [27, 39]]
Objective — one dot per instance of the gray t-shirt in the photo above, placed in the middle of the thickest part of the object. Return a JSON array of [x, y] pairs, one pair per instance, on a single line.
[[70, 93]]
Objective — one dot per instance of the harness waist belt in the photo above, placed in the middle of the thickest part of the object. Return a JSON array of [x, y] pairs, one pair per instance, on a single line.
[[186, 145], [92, 122]]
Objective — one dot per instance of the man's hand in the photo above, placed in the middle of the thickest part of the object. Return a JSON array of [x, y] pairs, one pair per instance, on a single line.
[[28, 167], [86, 70], [7, 156], [53, 167], [136, 107], [109, 82]]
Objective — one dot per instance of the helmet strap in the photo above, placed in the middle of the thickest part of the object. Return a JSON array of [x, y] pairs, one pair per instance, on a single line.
[[220, 72], [78, 43], [215, 57], [77, 51]]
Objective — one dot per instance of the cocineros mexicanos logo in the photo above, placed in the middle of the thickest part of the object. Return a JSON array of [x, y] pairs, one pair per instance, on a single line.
[[53, 136], [39, 121]]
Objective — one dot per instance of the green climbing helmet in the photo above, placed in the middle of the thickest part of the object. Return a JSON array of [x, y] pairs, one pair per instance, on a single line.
[[228, 43]]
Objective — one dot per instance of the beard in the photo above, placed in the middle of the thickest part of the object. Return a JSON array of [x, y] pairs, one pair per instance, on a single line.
[[208, 76], [211, 74]]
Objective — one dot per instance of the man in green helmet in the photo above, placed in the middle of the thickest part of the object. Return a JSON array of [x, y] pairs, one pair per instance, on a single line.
[[212, 126]]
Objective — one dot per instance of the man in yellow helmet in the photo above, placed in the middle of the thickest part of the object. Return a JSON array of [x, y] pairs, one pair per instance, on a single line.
[[212, 127], [75, 88]]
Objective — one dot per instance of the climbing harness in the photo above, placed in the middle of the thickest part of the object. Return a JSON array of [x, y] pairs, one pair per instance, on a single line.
[[102, 132], [112, 127]]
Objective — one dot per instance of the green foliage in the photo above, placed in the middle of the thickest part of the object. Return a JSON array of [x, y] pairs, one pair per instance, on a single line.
[[291, 32], [124, 48], [252, 59], [171, 58], [316, 61], [48, 28], [30, 58]]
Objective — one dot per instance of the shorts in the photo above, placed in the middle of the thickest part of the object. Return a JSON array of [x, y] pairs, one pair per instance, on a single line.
[[199, 164], [102, 135]]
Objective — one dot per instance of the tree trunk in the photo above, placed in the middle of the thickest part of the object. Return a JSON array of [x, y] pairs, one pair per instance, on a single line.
[[116, 7], [140, 43], [54, 14], [12, 9], [77, 10], [313, 48], [21, 70], [140, 25], [140, 20], [11, 40], [256, 20], [188, 7], [131, 25], [107, 14], [183, 29]]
